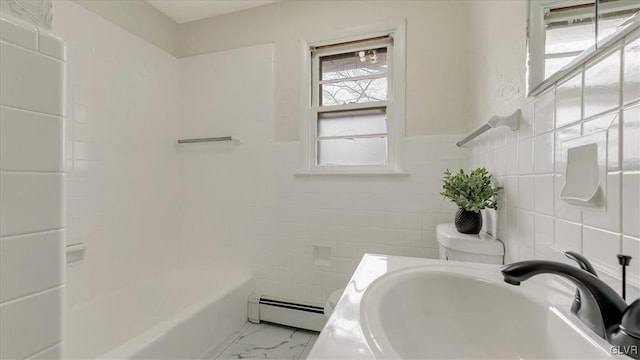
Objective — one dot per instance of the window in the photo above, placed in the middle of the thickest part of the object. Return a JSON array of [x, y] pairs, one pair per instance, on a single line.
[[354, 118], [571, 29], [562, 30]]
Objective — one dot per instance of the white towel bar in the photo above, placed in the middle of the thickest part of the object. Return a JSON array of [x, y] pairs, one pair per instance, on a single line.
[[512, 122]]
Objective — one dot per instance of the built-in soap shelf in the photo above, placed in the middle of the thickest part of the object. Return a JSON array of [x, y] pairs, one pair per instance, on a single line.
[[585, 171], [582, 179]]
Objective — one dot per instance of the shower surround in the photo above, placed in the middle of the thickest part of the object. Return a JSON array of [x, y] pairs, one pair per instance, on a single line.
[[163, 252]]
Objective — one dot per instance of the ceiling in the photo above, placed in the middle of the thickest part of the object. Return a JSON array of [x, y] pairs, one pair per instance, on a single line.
[[182, 11]]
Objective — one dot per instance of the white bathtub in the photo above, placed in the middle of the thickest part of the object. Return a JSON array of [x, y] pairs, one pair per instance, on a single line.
[[183, 315]]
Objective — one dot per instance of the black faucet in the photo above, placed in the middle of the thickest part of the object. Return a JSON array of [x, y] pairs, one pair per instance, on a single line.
[[600, 307], [585, 265]]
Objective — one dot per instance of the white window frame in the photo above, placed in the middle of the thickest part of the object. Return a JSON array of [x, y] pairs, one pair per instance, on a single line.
[[395, 104], [536, 38]]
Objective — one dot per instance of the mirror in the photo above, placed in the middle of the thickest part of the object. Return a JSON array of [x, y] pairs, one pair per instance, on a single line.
[[559, 31]]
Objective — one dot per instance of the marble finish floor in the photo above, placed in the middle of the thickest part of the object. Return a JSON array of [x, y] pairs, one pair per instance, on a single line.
[[270, 341]]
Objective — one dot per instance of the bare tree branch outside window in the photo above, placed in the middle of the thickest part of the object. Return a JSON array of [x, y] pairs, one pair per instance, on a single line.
[[340, 70]]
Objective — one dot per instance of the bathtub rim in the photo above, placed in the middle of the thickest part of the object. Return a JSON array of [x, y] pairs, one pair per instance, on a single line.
[[145, 339]]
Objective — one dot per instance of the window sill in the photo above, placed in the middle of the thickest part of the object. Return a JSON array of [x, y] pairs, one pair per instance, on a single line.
[[352, 173]]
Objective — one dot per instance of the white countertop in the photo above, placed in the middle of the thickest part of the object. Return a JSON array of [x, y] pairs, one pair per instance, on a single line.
[[343, 337]]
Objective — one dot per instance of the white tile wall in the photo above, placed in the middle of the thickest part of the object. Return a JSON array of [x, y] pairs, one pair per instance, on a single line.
[[31, 191], [631, 134], [631, 89], [599, 234], [525, 156], [122, 171], [20, 69], [544, 112], [512, 158], [602, 247], [631, 245], [608, 218], [30, 202], [526, 228], [31, 324], [53, 352], [543, 153], [223, 180], [49, 44], [608, 123], [602, 85], [144, 206], [19, 33], [527, 113], [351, 215], [30, 141], [526, 186], [568, 101], [543, 190], [631, 204], [42, 252], [567, 235], [543, 230], [307, 233]]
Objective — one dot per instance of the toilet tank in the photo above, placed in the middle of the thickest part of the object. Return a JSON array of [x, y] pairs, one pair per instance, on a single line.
[[480, 248]]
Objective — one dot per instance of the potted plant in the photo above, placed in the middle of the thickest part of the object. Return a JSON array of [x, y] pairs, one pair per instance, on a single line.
[[471, 192]]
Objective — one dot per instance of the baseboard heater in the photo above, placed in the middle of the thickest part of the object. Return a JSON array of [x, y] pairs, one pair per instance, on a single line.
[[286, 312]]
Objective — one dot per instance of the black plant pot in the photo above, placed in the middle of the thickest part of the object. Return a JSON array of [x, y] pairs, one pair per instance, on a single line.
[[468, 222]]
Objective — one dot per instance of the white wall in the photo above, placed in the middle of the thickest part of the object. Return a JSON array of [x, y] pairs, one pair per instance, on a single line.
[[436, 38], [243, 197], [533, 223], [351, 215], [140, 18], [436, 66], [229, 93], [496, 61], [31, 191], [289, 215]]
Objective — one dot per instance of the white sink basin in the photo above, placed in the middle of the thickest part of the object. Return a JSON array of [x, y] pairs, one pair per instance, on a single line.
[[440, 312]]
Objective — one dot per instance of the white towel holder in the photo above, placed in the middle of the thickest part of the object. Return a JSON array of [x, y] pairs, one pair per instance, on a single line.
[[511, 121]]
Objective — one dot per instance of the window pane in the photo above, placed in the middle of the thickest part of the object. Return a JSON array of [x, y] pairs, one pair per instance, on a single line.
[[551, 66], [357, 151], [347, 123], [609, 25], [569, 37], [354, 92], [352, 64]]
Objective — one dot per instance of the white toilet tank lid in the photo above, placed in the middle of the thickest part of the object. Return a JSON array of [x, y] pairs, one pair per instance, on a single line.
[[482, 243]]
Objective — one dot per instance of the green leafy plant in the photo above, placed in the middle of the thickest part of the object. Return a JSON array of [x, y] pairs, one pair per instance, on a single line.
[[473, 191]]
